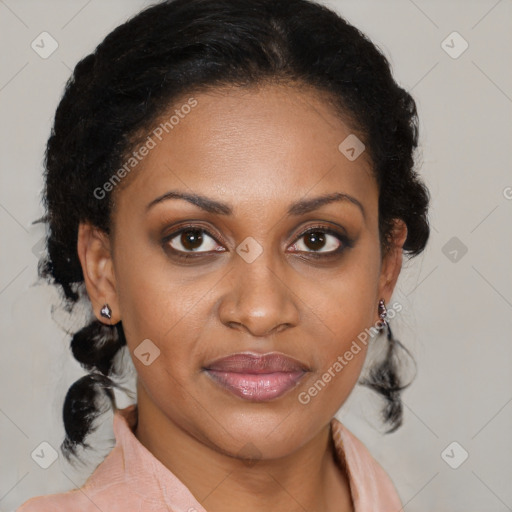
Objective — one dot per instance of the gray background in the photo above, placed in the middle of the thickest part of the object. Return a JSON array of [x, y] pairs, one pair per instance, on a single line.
[[457, 305]]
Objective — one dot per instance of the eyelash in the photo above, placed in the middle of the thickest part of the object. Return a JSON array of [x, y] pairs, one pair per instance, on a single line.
[[345, 242]]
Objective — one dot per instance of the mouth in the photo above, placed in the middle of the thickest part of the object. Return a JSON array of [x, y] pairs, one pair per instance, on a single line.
[[256, 377]]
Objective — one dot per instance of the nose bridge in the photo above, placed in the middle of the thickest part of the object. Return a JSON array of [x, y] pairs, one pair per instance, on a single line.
[[259, 298]]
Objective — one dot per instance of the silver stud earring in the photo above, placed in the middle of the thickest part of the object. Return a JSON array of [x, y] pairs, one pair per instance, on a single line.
[[106, 312]]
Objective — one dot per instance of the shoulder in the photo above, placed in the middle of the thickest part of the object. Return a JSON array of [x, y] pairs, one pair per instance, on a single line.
[[112, 497], [106, 485], [71, 500]]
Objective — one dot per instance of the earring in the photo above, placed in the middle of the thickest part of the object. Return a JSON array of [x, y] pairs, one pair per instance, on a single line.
[[383, 312], [106, 312], [384, 324]]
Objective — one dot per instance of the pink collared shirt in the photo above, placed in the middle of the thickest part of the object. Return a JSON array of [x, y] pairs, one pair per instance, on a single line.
[[132, 479]]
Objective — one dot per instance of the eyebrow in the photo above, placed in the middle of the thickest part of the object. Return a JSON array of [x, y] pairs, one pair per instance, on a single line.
[[215, 207]]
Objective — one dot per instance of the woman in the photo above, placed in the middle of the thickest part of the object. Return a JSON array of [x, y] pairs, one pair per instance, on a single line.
[[231, 183]]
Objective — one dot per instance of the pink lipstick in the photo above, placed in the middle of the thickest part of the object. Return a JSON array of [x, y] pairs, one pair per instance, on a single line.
[[256, 377]]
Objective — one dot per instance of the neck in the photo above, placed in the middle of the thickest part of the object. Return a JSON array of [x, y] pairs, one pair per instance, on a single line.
[[307, 479]]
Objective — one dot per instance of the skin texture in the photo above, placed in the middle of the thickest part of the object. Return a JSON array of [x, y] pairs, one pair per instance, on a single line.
[[258, 150]]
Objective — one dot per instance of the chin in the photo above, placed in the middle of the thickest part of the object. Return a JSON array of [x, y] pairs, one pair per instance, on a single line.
[[270, 434]]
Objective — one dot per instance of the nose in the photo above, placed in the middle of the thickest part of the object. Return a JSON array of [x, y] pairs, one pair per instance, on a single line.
[[258, 299]]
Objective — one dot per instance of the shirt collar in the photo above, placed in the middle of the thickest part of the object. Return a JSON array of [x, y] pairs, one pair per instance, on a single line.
[[369, 484], [144, 473]]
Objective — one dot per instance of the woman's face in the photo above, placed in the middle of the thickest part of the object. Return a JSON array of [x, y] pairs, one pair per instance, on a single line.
[[254, 280]]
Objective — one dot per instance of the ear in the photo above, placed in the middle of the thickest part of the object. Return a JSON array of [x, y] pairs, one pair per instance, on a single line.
[[94, 251], [392, 261]]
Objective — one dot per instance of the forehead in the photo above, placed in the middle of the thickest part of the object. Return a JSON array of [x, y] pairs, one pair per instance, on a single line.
[[250, 147]]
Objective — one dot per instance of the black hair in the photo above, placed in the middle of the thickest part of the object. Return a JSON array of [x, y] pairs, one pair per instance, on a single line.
[[179, 47]]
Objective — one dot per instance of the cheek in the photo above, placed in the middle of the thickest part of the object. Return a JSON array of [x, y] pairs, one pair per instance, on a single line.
[[345, 304], [344, 311], [153, 296], [167, 322], [340, 352], [166, 313]]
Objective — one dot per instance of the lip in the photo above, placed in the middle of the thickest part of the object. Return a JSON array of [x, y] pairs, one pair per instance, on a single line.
[[256, 377]]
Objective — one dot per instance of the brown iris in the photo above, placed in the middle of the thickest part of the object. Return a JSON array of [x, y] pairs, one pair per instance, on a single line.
[[313, 239], [191, 239]]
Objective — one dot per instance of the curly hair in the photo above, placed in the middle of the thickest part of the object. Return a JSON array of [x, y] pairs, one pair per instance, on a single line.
[[178, 47]]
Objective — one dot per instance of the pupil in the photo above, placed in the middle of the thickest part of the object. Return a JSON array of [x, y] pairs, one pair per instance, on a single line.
[[316, 238], [191, 239]]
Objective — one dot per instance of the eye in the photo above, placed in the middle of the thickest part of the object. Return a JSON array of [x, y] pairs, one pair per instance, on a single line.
[[321, 241], [194, 241], [190, 239]]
